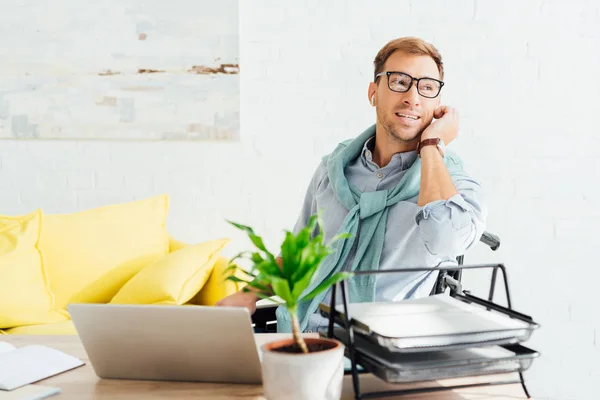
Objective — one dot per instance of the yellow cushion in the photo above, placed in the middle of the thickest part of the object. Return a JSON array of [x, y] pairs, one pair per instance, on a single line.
[[175, 278], [24, 295], [59, 328], [88, 254], [217, 287], [175, 244], [103, 289]]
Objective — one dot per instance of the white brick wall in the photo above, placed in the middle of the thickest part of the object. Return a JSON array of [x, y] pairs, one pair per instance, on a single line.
[[304, 81]]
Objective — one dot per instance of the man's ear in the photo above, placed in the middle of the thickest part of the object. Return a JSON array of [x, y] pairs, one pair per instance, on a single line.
[[371, 93]]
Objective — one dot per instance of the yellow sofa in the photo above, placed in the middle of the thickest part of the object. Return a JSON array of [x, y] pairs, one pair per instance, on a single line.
[[119, 254]]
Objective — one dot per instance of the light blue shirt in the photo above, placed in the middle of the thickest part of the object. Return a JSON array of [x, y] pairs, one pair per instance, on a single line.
[[429, 236]]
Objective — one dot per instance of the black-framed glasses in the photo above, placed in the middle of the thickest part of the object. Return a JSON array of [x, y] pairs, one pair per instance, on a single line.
[[401, 82]]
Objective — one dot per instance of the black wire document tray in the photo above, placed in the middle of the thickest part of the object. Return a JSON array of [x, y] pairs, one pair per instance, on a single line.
[[432, 338], [394, 367], [438, 322]]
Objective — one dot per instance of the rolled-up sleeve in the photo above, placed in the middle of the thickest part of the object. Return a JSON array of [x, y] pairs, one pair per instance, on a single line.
[[450, 227]]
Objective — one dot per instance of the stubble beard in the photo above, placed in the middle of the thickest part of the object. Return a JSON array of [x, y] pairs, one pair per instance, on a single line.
[[395, 134]]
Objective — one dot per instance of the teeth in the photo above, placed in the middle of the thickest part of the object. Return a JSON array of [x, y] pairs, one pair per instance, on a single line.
[[407, 116]]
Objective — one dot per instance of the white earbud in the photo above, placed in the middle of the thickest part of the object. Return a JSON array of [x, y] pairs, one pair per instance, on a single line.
[[373, 100]]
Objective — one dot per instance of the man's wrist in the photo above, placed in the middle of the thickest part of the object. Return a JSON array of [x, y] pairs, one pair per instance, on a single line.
[[430, 151], [428, 144]]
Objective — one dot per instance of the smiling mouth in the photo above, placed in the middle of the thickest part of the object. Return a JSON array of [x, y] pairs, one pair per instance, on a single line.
[[407, 116]]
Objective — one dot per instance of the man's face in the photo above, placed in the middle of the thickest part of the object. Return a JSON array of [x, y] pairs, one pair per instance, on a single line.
[[396, 112]]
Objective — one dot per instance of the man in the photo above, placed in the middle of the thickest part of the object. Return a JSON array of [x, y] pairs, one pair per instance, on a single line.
[[404, 183]]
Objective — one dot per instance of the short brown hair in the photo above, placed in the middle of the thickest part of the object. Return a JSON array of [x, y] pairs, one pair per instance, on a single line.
[[409, 45]]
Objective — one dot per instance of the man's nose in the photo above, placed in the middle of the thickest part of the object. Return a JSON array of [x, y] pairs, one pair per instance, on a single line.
[[412, 97]]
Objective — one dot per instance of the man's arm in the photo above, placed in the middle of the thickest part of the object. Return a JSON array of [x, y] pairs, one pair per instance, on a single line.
[[452, 215], [436, 182], [450, 227]]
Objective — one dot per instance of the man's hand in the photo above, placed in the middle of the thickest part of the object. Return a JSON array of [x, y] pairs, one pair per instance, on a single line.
[[444, 127], [240, 299]]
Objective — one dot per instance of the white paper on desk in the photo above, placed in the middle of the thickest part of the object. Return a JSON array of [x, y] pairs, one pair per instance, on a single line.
[[30, 392], [28, 364]]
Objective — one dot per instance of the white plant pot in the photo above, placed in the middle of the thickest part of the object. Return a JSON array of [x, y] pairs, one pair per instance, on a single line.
[[298, 376]]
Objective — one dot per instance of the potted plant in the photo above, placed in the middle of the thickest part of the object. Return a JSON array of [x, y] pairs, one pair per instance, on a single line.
[[298, 367]]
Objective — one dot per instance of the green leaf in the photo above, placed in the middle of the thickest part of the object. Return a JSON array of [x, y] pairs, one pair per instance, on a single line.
[[340, 236], [268, 268], [242, 227], [313, 222], [248, 273], [308, 253], [303, 270], [267, 297], [257, 258], [282, 289], [260, 294], [319, 215], [302, 239], [263, 282], [231, 266], [255, 284], [243, 254], [327, 283], [288, 254], [304, 281], [308, 262], [305, 233], [240, 255], [258, 242], [235, 279]]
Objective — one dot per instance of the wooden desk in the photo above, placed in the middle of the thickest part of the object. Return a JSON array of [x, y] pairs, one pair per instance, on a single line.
[[82, 383]]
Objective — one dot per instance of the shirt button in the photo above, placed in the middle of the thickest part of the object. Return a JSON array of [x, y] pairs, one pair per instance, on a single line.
[[368, 153], [380, 175]]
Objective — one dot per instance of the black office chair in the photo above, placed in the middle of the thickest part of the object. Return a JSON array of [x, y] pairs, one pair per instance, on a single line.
[[265, 320], [440, 286]]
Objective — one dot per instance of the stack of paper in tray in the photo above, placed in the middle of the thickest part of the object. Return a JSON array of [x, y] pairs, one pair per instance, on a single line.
[[435, 337]]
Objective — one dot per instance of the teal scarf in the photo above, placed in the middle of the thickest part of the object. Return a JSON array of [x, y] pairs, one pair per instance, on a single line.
[[366, 220]]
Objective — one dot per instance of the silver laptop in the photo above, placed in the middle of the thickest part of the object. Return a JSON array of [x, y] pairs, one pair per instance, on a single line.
[[169, 343]]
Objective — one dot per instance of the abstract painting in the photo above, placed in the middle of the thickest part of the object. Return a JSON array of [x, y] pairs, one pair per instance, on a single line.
[[120, 70]]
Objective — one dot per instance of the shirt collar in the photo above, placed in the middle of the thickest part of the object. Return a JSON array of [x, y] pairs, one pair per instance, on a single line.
[[401, 161]]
